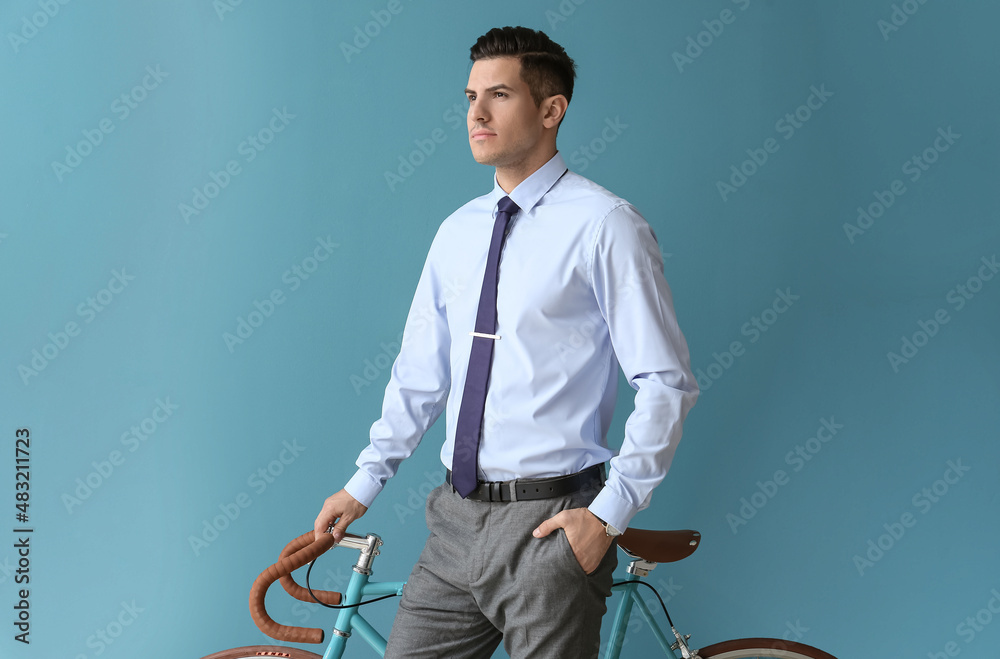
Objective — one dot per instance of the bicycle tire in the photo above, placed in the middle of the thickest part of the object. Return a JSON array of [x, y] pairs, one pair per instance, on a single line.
[[260, 651], [762, 648]]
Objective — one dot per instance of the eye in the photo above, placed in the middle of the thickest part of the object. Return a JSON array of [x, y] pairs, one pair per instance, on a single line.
[[500, 94]]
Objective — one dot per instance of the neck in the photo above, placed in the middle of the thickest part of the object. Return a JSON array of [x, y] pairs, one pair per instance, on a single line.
[[510, 176]]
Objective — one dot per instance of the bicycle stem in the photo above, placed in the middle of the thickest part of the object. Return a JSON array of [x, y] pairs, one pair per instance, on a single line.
[[369, 550]]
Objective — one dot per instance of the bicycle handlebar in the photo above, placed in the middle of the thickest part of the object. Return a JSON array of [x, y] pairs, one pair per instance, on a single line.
[[293, 588], [297, 553]]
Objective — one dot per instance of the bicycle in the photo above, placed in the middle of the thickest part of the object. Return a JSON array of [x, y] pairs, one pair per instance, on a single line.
[[645, 548]]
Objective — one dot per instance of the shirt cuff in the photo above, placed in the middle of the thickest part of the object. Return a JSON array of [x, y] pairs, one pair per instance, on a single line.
[[363, 488], [611, 508]]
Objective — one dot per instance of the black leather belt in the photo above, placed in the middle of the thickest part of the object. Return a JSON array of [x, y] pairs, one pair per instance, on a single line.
[[524, 489]]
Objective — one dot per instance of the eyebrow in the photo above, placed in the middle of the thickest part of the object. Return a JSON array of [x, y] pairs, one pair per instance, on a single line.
[[494, 88]]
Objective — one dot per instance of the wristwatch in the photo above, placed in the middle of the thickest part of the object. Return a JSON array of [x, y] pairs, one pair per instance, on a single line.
[[611, 531]]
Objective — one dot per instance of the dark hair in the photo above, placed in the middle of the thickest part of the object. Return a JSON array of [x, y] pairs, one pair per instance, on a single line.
[[545, 66]]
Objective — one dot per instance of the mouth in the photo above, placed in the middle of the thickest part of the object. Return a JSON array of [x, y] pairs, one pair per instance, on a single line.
[[482, 134]]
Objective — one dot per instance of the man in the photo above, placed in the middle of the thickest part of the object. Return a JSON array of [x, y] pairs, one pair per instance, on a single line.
[[521, 537]]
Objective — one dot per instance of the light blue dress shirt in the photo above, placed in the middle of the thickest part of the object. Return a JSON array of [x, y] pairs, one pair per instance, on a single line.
[[581, 291]]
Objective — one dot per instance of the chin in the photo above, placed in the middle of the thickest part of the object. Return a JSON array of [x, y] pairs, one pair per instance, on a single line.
[[484, 158]]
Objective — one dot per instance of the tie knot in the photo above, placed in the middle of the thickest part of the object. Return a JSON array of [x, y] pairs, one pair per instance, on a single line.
[[507, 205]]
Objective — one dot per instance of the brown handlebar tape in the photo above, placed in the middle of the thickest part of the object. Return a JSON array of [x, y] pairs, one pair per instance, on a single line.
[[304, 549], [293, 588]]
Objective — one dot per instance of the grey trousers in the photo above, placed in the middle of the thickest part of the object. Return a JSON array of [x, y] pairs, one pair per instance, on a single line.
[[483, 577]]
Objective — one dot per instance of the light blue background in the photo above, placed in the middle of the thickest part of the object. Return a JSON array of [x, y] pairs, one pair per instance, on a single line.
[[312, 373]]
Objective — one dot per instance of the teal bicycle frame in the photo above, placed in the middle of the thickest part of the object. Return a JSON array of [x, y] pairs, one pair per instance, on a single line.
[[637, 569], [350, 619], [631, 598]]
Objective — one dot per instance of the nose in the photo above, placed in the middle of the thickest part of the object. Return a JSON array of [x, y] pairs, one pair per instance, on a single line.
[[478, 112]]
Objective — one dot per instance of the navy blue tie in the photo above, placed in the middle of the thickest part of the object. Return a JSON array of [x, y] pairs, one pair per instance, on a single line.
[[468, 430]]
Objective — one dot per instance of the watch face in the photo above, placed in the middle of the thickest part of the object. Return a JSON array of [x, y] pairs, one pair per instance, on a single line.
[[611, 531]]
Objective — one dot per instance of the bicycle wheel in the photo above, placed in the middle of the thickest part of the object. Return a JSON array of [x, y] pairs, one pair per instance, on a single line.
[[256, 651], [762, 648]]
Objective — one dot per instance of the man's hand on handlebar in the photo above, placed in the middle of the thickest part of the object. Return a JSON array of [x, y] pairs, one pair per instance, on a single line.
[[341, 509]]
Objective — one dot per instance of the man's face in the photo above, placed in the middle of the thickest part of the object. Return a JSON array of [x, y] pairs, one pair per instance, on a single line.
[[505, 125]]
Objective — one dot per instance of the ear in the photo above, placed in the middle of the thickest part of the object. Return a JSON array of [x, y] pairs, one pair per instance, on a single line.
[[554, 109]]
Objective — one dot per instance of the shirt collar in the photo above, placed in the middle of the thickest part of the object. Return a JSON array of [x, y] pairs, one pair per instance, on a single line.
[[531, 190]]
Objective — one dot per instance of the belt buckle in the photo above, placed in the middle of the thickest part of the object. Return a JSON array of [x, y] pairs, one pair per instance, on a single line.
[[495, 491]]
